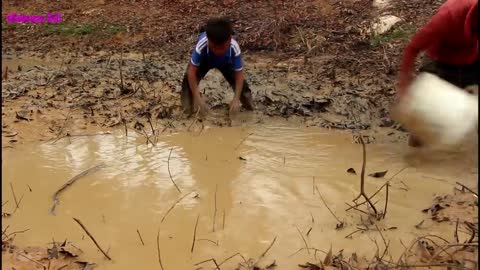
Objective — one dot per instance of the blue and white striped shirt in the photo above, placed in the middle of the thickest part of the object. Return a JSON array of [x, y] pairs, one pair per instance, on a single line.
[[231, 57]]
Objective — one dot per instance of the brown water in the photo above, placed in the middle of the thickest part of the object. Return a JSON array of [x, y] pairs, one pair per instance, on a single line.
[[267, 195]]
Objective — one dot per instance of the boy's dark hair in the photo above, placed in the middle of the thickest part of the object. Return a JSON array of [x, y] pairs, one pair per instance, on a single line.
[[219, 30]]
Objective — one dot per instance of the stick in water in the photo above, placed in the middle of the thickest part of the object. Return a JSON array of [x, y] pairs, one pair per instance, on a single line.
[[93, 239], [194, 234], [169, 173], [158, 250], [70, 182]]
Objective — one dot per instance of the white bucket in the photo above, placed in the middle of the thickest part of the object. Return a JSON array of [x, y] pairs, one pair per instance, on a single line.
[[437, 112]]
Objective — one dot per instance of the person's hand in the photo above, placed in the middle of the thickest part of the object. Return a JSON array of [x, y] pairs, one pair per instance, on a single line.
[[200, 105], [234, 105]]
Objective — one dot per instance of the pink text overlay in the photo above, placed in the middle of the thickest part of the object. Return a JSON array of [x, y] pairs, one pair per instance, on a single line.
[[36, 19]]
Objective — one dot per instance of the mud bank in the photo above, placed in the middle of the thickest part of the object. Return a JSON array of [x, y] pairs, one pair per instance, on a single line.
[[75, 94]]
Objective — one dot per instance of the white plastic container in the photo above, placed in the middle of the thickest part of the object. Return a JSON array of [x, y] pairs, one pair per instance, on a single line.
[[437, 112]]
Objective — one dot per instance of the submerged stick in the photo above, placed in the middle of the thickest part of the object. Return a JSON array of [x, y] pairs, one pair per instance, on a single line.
[[93, 239], [326, 205], [386, 202], [215, 209], [14, 196], [173, 205], [158, 250], [465, 187], [243, 141], [169, 173], [265, 252], [362, 177], [194, 234], [223, 224], [140, 236], [303, 238], [70, 182]]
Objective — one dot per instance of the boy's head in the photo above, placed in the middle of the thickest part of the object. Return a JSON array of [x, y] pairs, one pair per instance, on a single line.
[[219, 33]]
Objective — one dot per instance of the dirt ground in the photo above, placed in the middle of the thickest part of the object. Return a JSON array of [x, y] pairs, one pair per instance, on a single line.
[[119, 64]]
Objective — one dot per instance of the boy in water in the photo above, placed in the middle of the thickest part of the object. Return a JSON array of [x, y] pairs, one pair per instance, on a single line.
[[215, 48], [450, 41]]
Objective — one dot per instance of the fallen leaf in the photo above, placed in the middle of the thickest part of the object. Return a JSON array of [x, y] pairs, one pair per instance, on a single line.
[[352, 171], [378, 174]]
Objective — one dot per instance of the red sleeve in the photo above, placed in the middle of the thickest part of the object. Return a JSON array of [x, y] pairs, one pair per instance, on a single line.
[[429, 34]]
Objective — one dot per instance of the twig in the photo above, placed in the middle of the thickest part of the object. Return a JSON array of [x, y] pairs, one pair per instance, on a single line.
[[70, 182], [463, 186], [240, 143], [32, 260], [354, 232], [194, 234], [169, 173], [3, 204], [355, 208], [204, 239], [386, 202], [384, 241], [140, 236], [91, 237], [315, 249], [362, 177], [456, 232], [404, 185], [308, 232], [269, 247], [371, 197], [303, 238], [14, 196], [212, 260], [158, 250], [330, 210], [236, 254], [16, 232], [215, 209], [313, 184], [173, 205], [223, 224]]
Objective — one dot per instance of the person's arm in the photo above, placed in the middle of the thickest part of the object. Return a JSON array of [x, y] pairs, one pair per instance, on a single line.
[[239, 78], [428, 34], [192, 80]]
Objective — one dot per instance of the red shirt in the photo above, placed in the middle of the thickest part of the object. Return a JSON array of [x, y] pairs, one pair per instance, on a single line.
[[448, 37]]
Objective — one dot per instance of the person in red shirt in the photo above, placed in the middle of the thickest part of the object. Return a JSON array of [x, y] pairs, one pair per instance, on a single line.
[[450, 42]]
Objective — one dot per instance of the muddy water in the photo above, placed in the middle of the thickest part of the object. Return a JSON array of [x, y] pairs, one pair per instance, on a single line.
[[266, 194]]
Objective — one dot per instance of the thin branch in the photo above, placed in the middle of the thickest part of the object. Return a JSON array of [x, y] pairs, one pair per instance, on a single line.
[[236, 254], [303, 238], [56, 201], [326, 205], [223, 224], [463, 186], [140, 236], [32, 260], [93, 239], [169, 173], [265, 252], [210, 260], [208, 240], [14, 196], [173, 205], [158, 250], [215, 209], [243, 141], [194, 234], [386, 202]]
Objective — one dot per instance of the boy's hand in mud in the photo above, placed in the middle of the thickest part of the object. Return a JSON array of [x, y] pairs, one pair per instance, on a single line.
[[234, 105], [200, 106]]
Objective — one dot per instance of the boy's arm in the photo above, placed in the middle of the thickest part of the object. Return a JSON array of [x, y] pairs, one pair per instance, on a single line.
[[238, 67], [428, 34], [192, 80]]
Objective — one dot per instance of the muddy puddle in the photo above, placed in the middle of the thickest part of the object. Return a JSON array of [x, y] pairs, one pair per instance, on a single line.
[[246, 186]]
